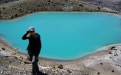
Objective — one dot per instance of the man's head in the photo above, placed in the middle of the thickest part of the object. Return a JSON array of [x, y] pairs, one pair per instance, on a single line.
[[31, 30]]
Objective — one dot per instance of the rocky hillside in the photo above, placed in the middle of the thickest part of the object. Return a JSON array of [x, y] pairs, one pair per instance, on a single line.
[[11, 10], [16, 9], [113, 4]]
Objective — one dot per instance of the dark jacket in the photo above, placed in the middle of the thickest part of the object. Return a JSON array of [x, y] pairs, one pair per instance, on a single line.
[[34, 43]]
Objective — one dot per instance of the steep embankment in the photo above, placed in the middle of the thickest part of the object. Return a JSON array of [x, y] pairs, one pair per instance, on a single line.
[[16, 9]]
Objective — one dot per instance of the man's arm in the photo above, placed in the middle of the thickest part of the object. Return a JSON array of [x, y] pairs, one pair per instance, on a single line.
[[39, 39], [25, 36]]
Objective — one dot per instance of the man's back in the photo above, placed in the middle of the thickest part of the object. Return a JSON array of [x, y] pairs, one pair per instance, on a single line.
[[34, 41]]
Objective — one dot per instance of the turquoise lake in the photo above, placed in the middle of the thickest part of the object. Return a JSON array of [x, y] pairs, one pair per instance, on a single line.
[[64, 36]]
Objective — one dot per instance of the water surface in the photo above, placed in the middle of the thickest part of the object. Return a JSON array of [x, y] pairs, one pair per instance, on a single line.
[[65, 36]]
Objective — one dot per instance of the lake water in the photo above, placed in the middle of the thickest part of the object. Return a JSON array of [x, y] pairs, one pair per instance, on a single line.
[[65, 36]]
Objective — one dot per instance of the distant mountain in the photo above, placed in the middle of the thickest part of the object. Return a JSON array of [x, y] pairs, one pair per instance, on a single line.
[[113, 4]]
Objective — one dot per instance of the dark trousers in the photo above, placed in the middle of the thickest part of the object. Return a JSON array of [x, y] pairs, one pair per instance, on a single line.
[[34, 59]]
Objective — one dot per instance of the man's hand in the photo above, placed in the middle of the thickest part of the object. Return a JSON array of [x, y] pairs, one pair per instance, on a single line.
[[27, 32], [26, 36]]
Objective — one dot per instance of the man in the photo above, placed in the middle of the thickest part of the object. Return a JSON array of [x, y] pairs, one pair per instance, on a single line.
[[33, 48]]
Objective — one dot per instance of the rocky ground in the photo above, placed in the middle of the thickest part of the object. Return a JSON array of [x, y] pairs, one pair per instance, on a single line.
[[113, 4], [105, 62]]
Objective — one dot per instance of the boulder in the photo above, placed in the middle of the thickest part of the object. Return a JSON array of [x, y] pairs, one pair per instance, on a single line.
[[38, 5], [98, 73], [4, 8], [110, 52], [27, 58], [81, 5], [113, 47], [3, 48], [1, 72], [13, 8], [0, 17], [110, 49], [69, 71], [16, 15], [20, 10], [27, 62], [13, 53], [49, 1], [98, 8], [5, 1], [112, 70], [101, 63], [10, 17], [60, 66]]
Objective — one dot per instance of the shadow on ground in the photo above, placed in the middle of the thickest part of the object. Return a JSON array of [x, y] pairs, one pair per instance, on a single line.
[[40, 73]]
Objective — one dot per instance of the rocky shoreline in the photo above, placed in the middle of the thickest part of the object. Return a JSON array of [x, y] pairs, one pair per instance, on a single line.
[[13, 62], [20, 8]]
